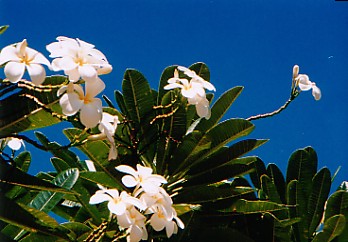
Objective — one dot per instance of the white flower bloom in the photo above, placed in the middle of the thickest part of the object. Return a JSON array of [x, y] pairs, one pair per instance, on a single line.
[[161, 219], [193, 90], [117, 203], [142, 177], [20, 57], [303, 82], [135, 222], [160, 199], [75, 100], [78, 59], [13, 143], [108, 126]]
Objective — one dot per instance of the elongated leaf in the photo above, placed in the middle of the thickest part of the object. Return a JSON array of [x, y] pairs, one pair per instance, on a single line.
[[166, 75], [137, 96], [338, 204], [10, 175], [23, 161], [249, 207], [333, 227], [270, 189], [16, 215], [259, 170], [46, 201], [302, 167], [204, 194], [216, 138], [59, 164], [320, 192], [219, 108], [226, 171], [3, 28], [25, 106], [101, 178], [278, 179], [234, 151], [201, 70]]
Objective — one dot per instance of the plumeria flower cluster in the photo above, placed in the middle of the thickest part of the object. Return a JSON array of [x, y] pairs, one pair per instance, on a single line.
[[193, 89], [80, 61], [302, 81], [149, 203]]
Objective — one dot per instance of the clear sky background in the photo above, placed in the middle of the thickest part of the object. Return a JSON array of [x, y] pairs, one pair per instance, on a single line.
[[250, 43]]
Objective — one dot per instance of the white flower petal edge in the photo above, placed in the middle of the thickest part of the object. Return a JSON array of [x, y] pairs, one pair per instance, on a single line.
[[18, 57], [302, 81]]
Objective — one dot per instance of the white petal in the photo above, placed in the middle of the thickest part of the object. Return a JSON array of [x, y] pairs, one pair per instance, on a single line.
[[70, 103], [67, 63], [9, 53], [124, 220], [40, 59], [209, 86], [37, 73], [129, 181], [113, 193], [14, 143], [99, 197], [316, 92], [93, 88], [179, 222], [118, 208], [113, 153], [295, 71], [136, 233], [14, 71], [157, 178], [127, 169], [90, 115], [87, 72], [172, 86], [203, 109], [61, 90], [144, 171], [156, 222], [170, 228], [189, 93]]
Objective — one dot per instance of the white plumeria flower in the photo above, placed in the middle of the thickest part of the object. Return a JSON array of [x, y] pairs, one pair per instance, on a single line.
[[202, 106], [77, 59], [303, 82], [160, 199], [75, 100], [161, 219], [20, 57], [142, 177], [108, 126], [117, 203], [193, 90], [12, 143], [135, 222]]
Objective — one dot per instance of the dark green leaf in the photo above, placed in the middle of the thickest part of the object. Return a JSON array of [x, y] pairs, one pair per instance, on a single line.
[[333, 227], [320, 192], [270, 189], [219, 108], [260, 169], [101, 178], [28, 114], [278, 179], [3, 28]]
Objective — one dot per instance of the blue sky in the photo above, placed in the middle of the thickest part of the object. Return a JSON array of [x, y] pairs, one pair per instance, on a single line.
[[250, 43]]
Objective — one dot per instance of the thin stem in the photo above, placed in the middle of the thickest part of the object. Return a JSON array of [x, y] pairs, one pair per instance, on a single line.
[[294, 94]]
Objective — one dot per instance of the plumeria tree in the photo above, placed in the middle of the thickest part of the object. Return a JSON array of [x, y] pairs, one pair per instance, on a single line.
[[157, 165]]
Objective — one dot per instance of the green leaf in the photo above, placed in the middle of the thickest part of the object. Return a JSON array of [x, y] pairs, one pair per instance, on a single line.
[[250, 207], [260, 169], [333, 227], [201, 70], [234, 151], [59, 164], [101, 178], [10, 175], [166, 75], [317, 198], [20, 217], [33, 105], [278, 179], [234, 168], [214, 193], [3, 28], [216, 138], [137, 97], [219, 108], [270, 189], [23, 161]]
